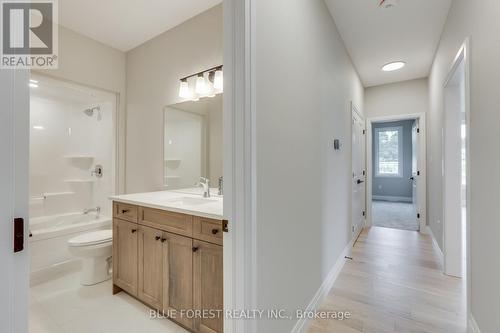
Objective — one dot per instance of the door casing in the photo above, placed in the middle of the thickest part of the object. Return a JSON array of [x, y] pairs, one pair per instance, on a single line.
[[422, 179]]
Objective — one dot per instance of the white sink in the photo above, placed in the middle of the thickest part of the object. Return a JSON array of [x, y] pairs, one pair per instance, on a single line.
[[190, 201]]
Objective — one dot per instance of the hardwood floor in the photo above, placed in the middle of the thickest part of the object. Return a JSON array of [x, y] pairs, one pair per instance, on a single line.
[[394, 284]]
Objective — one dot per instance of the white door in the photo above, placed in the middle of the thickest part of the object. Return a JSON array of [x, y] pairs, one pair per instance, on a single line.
[[14, 165], [358, 173], [414, 168]]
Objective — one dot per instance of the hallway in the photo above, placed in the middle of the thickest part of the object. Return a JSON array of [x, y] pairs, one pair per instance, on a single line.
[[397, 215], [394, 284]]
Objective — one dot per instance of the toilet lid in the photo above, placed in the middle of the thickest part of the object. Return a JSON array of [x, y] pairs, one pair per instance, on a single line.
[[92, 238]]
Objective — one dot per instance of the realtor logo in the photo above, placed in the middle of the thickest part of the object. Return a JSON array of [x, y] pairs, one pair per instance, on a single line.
[[29, 34]]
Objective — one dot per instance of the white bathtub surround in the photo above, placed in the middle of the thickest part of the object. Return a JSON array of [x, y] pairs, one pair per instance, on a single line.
[[177, 201], [62, 305], [49, 251]]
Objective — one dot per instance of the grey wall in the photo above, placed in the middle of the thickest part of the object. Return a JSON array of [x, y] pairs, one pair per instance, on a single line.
[[304, 83], [153, 72], [395, 186], [478, 20]]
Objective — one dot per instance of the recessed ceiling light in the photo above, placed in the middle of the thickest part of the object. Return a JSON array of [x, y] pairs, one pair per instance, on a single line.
[[393, 66]]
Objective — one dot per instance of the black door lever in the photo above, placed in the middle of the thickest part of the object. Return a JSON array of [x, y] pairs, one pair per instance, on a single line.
[[360, 181]]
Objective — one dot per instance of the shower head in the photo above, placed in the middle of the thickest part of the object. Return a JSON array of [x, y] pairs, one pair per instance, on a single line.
[[90, 111]]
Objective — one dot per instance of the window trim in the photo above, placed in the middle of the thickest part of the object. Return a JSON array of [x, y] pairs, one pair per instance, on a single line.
[[399, 129]]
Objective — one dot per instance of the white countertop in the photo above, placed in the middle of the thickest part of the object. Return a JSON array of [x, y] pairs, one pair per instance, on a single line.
[[180, 201]]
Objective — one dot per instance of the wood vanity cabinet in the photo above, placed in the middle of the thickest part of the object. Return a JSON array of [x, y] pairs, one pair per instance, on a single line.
[[170, 271], [150, 267], [125, 255], [208, 285]]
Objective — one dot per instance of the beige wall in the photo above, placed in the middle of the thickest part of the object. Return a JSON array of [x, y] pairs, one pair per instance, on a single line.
[[304, 83], [407, 97], [88, 62], [153, 72], [480, 21]]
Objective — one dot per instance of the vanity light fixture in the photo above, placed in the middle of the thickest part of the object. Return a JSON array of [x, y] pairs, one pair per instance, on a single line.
[[201, 85], [207, 83], [184, 91], [218, 80]]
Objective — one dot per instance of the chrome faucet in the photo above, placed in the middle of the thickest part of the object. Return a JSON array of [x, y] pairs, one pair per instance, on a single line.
[[96, 209], [205, 183], [221, 185]]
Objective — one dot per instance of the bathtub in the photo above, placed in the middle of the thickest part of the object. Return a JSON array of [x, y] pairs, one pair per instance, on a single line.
[[49, 253]]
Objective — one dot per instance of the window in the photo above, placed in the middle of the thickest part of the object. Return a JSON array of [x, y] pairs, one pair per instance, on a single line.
[[389, 152]]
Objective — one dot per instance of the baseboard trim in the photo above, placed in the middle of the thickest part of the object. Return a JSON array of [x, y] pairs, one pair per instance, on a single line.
[[472, 325], [392, 198], [325, 287], [428, 231]]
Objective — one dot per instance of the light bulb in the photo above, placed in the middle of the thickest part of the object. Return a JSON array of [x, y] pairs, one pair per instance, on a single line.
[[201, 86], [184, 91], [219, 81]]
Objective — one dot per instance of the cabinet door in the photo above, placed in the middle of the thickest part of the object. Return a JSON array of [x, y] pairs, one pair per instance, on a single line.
[[125, 255], [150, 289], [178, 276], [208, 286]]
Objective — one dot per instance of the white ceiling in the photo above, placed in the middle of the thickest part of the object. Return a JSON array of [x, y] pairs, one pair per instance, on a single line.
[[374, 36], [125, 24]]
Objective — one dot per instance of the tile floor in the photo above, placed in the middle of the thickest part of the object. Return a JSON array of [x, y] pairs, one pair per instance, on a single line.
[[63, 306]]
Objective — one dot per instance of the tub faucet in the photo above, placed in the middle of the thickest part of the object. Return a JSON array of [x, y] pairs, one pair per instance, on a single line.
[[96, 209], [204, 182]]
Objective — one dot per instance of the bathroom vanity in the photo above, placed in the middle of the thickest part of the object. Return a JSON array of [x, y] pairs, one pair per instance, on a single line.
[[167, 252]]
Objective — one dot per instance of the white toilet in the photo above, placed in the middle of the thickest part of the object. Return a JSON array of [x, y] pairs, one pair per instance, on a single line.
[[95, 249]]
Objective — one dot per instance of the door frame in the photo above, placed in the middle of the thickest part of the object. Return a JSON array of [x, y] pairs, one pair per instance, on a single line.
[[355, 112], [422, 165], [14, 147], [463, 55], [240, 243]]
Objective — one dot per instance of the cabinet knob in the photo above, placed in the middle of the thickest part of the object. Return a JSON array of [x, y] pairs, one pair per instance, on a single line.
[[195, 249], [134, 231], [163, 240], [125, 211], [157, 238], [215, 231]]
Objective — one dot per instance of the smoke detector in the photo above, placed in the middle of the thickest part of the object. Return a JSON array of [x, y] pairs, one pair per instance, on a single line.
[[385, 4]]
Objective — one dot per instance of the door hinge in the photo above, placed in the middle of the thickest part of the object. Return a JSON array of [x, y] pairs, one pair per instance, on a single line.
[[418, 130], [364, 172], [418, 173], [225, 224], [18, 234], [364, 131], [418, 215], [364, 213]]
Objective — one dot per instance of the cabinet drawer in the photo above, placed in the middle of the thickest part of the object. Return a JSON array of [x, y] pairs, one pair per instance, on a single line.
[[208, 230], [125, 211], [176, 223]]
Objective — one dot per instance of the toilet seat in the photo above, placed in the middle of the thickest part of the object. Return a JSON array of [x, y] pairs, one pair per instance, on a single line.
[[92, 238]]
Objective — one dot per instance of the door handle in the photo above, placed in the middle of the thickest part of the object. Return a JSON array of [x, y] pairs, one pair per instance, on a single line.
[[412, 178], [157, 238], [18, 234], [360, 181]]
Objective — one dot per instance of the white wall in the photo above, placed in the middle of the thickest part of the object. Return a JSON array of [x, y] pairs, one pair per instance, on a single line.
[[153, 72], [480, 21], [85, 61], [304, 82], [407, 97]]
